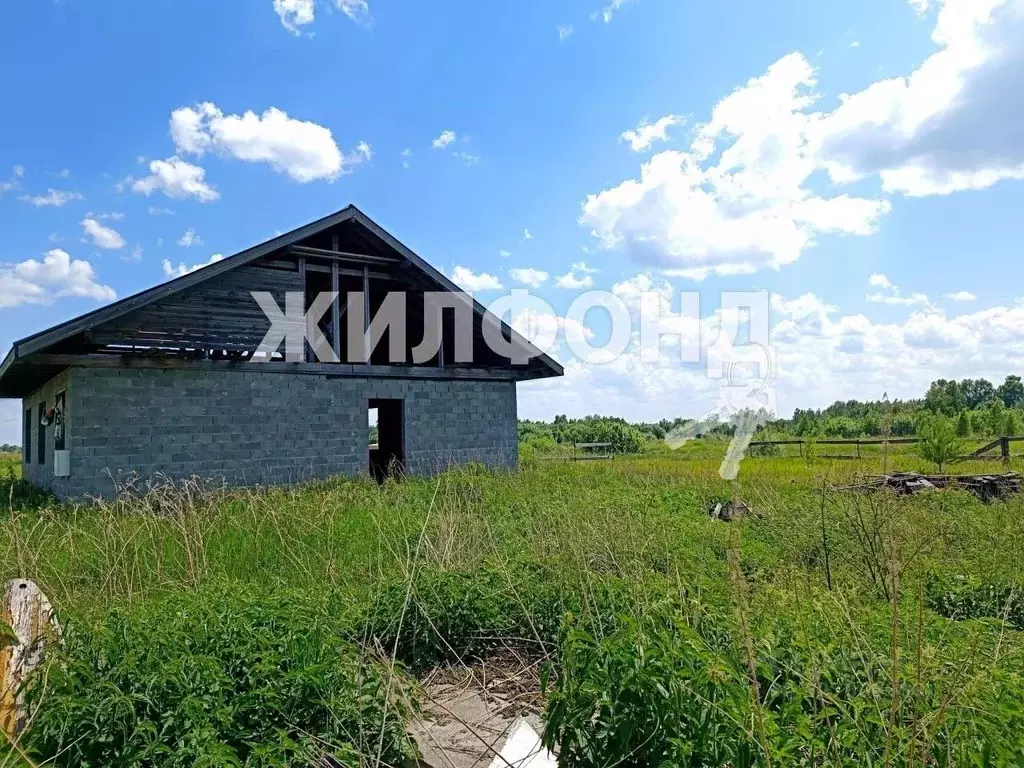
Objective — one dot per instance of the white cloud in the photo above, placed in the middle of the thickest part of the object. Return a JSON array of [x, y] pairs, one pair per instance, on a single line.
[[176, 178], [442, 141], [891, 294], [467, 280], [534, 278], [16, 173], [609, 11], [157, 211], [190, 239], [822, 356], [135, 255], [295, 14], [183, 269], [57, 275], [960, 296], [527, 235], [645, 134], [304, 150], [101, 235], [533, 325], [579, 277], [357, 10], [54, 197], [363, 153], [878, 280], [504, 254], [854, 44], [950, 125], [564, 32], [466, 158], [736, 201]]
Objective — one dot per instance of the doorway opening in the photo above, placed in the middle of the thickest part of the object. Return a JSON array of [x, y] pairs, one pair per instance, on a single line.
[[387, 454]]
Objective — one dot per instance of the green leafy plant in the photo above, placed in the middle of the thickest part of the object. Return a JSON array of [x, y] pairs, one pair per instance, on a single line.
[[939, 442], [214, 678]]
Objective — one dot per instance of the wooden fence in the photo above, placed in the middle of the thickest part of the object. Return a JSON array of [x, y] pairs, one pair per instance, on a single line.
[[1002, 444]]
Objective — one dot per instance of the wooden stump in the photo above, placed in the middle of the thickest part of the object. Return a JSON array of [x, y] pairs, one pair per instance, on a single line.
[[28, 614]]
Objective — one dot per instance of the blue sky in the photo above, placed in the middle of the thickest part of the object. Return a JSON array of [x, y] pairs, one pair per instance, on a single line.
[[463, 126]]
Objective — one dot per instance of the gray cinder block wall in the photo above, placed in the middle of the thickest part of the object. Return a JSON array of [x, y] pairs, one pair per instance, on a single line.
[[252, 428]]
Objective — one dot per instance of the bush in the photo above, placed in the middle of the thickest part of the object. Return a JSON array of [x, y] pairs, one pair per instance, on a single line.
[[214, 678]]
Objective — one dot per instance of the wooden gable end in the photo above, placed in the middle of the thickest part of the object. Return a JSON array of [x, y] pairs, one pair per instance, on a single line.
[[219, 314]]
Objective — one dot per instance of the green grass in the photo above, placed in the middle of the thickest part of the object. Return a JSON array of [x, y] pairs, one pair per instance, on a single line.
[[670, 638]]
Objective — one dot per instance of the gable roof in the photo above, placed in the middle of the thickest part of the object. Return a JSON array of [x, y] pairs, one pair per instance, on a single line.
[[22, 350]]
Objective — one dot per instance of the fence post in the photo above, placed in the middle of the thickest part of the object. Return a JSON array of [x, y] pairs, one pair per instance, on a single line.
[[1004, 447]]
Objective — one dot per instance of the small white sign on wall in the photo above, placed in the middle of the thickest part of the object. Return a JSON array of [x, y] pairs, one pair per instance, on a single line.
[[62, 463]]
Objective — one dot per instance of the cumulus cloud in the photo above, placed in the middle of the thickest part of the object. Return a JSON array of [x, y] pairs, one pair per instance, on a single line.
[[190, 239], [822, 354], [737, 200], [949, 125], [579, 277], [960, 296], [468, 280], [57, 275], [889, 293], [184, 269], [533, 325], [645, 134], [304, 150], [176, 178], [101, 235], [296, 14], [442, 141], [534, 278], [53, 197]]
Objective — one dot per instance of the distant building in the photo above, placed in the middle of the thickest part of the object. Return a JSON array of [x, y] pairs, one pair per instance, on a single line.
[[170, 382]]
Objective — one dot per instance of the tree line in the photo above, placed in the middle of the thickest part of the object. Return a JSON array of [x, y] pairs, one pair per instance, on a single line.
[[973, 407]]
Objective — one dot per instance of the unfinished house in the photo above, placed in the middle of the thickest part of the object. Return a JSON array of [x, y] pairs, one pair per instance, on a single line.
[[173, 382]]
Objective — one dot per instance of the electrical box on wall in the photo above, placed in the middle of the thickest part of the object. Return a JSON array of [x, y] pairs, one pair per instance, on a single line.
[[62, 463]]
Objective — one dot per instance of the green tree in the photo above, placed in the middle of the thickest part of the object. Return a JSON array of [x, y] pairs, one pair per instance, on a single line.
[[1012, 424], [1011, 392], [939, 442], [963, 424], [977, 392], [995, 417], [945, 397]]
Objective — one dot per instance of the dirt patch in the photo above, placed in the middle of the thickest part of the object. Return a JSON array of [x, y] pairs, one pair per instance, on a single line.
[[469, 711]]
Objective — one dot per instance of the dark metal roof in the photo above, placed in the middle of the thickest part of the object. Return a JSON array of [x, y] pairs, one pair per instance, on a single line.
[[18, 375]]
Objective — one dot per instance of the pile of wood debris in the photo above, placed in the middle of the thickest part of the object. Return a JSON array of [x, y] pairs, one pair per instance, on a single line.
[[985, 487]]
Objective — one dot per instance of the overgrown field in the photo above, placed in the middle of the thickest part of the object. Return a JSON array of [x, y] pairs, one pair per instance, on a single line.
[[269, 628]]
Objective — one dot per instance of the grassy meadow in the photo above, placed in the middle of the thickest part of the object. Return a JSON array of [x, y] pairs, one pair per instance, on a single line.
[[272, 627]]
